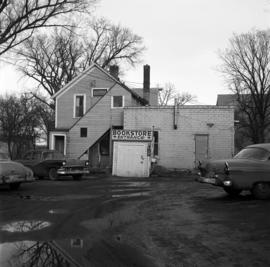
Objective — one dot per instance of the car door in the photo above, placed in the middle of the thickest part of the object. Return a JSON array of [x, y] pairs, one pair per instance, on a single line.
[[250, 172], [36, 162], [53, 159]]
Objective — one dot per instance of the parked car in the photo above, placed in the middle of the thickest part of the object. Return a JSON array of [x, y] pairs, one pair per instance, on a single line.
[[13, 173], [248, 170], [75, 168], [46, 163]]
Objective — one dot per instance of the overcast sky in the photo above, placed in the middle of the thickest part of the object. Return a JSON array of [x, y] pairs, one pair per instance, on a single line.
[[182, 39]]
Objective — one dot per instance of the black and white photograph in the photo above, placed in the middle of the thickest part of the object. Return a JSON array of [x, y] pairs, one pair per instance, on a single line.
[[134, 133]]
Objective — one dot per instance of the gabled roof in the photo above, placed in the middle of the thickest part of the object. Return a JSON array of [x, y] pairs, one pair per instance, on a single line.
[[95, 65]]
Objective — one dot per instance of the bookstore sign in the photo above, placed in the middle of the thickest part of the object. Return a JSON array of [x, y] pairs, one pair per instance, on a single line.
[[132, 135]]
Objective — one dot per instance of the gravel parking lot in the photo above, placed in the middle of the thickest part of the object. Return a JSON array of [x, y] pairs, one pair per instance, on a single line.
[[161, 221]]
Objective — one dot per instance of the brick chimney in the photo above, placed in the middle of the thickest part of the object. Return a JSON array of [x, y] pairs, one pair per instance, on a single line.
[[114, 71], [146, 82]]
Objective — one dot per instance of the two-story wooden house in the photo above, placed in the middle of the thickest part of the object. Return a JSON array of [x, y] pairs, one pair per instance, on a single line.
[[89, 106]]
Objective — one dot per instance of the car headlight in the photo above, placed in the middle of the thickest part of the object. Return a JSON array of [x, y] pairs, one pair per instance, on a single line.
[[227, 183]]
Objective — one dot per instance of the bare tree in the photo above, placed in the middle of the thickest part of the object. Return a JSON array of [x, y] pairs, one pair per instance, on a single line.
[[19, 19], [51, 61], [112, 43], [246, 65], [169, 96], [19, 122], [54, 60]]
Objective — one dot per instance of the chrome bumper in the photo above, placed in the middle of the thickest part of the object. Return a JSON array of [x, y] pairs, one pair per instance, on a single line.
[[16, 179], [70, 171], [214, 181], [210, 180]]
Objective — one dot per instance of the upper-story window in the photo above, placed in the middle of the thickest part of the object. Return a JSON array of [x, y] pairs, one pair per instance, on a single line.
[[118, 101], [98, 92], [79, 105]]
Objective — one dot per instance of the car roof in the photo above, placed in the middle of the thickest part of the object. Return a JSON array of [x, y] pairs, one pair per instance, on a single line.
[[41, 150], [263, 145]]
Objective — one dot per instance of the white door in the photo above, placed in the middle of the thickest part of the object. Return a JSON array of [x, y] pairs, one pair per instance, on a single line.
[[130, 159]]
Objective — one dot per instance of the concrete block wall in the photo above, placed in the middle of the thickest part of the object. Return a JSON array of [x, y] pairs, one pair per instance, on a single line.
[[177, 146]]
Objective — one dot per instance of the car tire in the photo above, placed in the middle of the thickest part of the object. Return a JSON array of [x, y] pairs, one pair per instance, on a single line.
[[77, 177], [53, 174], [14, 186], [232, 191], [261, 190]]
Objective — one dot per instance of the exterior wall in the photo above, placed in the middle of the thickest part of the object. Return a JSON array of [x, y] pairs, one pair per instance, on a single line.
[[65, 101], [177, 146], [97, 121]]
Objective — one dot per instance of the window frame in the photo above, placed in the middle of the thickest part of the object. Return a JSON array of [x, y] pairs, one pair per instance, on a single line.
[[74, 105], [81, 135], [52, 140], [123, 101], [98, 88]]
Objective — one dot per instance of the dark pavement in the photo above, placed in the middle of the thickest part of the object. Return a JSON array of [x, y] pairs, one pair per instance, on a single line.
[[110, 221]]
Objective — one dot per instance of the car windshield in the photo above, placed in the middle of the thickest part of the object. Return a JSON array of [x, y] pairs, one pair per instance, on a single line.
[[53, 155], [253, 153], [3, 156]]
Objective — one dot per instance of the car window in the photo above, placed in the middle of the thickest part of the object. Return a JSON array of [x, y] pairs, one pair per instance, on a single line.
[[253, 153], [4, 156], [36, 155], [52, 155], [28, 155]]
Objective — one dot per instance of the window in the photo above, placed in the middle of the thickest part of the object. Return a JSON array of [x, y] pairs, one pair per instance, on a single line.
[[83, 132], [98, 92], [117, 101], [155, 143], [36, 155], [53, 155], [79, 105]]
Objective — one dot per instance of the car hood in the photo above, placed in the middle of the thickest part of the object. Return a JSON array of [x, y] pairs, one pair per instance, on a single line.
[[75, 162], [218, 166], [8, 167]]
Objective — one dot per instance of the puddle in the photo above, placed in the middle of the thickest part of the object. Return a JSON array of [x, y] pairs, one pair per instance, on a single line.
[[25, 226], [72, 253], [137, 194], [58, 211], [34, 253]]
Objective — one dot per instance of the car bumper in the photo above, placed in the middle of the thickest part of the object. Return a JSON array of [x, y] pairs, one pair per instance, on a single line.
[[66, 172], [16, 179], [208, 180]]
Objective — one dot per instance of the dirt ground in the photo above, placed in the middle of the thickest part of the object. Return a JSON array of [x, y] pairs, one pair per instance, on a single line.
[[161, 221]]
